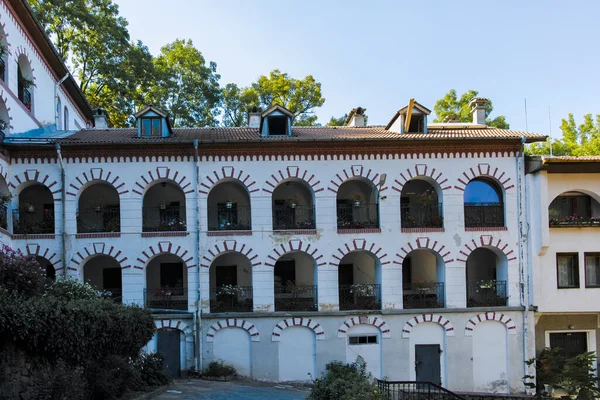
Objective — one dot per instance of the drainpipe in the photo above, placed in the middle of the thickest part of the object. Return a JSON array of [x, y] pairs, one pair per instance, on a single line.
[[197, 315], [56, 110], [523, 237], [64, 214]]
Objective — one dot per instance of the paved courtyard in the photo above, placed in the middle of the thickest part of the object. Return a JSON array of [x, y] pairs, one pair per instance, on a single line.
[[201, 389]]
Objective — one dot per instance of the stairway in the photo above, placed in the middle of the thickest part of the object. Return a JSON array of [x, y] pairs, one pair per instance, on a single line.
[[412, 390]]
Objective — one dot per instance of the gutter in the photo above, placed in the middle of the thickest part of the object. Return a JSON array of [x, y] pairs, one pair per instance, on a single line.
[[197, 314], [64, 214]]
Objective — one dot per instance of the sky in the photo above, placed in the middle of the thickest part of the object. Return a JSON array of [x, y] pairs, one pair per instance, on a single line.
[[379, 54]]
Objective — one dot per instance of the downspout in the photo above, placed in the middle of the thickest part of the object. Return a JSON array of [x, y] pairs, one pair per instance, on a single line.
[[523, 237], [197, 315], [64, 214], [56, 110]]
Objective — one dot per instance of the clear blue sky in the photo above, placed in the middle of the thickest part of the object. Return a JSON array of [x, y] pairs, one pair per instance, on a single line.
[[379, 54]]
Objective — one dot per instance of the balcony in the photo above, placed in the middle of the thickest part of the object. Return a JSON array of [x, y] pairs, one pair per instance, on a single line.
[[360, 296], [357, 215], [575, 221], [99, 219], [484, 215], [163, 219], [574, 210], [423, 295], [31, 221], [25, 97], [229, 217], [166, 298], [293, 217], [422, 215], [296, 298], [486, 293], [231, 298]]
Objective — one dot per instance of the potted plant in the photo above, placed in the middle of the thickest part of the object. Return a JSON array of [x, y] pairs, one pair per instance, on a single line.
[[361, 289], [427, 197], [358, 200], [487, 284], [293, 202], [230, 290]]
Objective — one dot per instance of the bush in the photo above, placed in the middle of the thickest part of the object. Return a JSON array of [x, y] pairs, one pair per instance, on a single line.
[[21, 274], [345, 382], [152, 370], [218, 368], [69, 289]]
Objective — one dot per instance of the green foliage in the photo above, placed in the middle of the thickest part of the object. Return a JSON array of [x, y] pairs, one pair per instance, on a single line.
[[333, 121], [451, 105], [20, 274], [576, 140], [69, 289], [218, 369], [345, 382], [152, 369]]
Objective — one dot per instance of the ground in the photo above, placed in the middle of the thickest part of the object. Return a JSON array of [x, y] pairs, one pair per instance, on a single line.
[[237, 390]]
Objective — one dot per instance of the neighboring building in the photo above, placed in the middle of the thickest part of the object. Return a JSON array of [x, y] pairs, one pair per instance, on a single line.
[[564, 213]]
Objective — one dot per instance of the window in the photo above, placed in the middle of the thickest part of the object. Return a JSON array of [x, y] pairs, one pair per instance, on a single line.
[[367, 339], [151, 127], [573, 203], [277, 125], [571, 344], [484, 206], [592, 270], [567, 270], [66, 119], [417, 123]]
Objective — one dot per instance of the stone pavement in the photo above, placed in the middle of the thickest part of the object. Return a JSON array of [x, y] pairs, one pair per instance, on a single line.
[[236, 390]]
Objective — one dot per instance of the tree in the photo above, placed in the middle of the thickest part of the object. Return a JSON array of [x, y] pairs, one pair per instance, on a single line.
[[451, 105], [235, 105], [333, 121], [576, 140]]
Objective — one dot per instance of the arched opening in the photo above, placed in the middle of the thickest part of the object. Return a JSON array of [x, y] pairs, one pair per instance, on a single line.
[[25, 82], [421, 205], [166, 283], [293, 206], [359, 280], [99, 209], [35, 214], [294, 282], [484, 204], [357, 206], [233, 346], [4, 119], [574, 209], [164, 208], [301, 342], [487, 275], [47, 267], [104, 274], [66, 118], [4, 203], [229, 207], [423, 280], [3, 55], [365, 341], [231, 283]]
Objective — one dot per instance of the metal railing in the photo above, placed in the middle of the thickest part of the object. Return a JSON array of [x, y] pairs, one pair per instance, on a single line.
[[98, 219], [486, 293], [360, 296], [25, 97], [357, 216], [2, 70], [293, 217], [163, 219], [414, 390], [231, 298], [236, 218], [296, 298], [3, 216], [35, 221], [166, 298], [484, 215], [423, 295], [115, 293], [560, 220], [422, 215]]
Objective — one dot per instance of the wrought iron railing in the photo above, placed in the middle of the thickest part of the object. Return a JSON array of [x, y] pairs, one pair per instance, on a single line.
[[33, 221], [296, 298], [163, 219], [423, 295], [362, 296], [293, 217], [116, 294], [559, 220], [25, 97], [2, 70], [166, 298], [3, 216], [422, 215], [486, 293], [234, 218], [484, 215], [357, 216], [231, 298], [414, 390], [98, 219]]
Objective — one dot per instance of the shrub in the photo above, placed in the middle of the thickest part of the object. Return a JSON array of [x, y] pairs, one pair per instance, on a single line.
[[21, 274], [69, 289], [152, 370], [218, 368], [345, 382]]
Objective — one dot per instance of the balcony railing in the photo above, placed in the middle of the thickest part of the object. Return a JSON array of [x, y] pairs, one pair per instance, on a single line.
[[235, 218], [98, 219], [25, 97], [293, 217], [33, 221], [486, 293], [484, 215], [296, 298], [231, 298], [3, 216], [357, 216], [422, 215], [365, 296], [166, 298], [569, 221], [423, 295], [2, 70], [163, 219]]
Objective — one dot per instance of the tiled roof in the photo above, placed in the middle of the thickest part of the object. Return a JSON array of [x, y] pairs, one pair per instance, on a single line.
[[569, 159], [326, 133]]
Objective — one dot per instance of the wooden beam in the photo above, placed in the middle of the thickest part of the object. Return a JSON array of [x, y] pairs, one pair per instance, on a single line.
[[411, 104]]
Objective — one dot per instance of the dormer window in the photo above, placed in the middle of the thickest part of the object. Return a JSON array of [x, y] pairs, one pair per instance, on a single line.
[[410, 119], [276, 121], [151, 126], [152, 122], [278, 125]]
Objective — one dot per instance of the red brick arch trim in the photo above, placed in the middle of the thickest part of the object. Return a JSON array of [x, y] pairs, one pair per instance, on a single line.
[[96, 174], [419, 171], [4, 171], [176, 324], [424, 243], [160, 248], [21, 50], [232, 323], [364, 320], [35, 176], [4, 99], [162, 173], [212, 179], [355, 171], [359, 245], [45, 252], [491, 316], [486, 241], [98, 249], [435, 318], [295, 245], [229, 246], [293, 173], [485, 170], [299, 321]]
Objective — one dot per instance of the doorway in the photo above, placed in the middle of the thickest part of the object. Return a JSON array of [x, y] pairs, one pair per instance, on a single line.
[[169, 347], [427, 363]]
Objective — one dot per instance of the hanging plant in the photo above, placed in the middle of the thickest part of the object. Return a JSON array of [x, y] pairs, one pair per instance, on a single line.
[[26, 83]]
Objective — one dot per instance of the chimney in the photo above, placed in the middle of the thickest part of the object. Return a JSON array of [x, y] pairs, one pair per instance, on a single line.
[[356, 117], [254, 117], [479, 106], [100, 118]]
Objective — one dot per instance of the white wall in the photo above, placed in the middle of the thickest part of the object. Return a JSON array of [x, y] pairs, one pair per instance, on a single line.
[[232, 345], [370, 353], [490, 357], [297, 354]]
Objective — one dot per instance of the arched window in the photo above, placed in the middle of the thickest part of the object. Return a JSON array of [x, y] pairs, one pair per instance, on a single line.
[[484, 204], [25, 82], [574, 209], [66, 119], [3, 56], [58, 113]]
